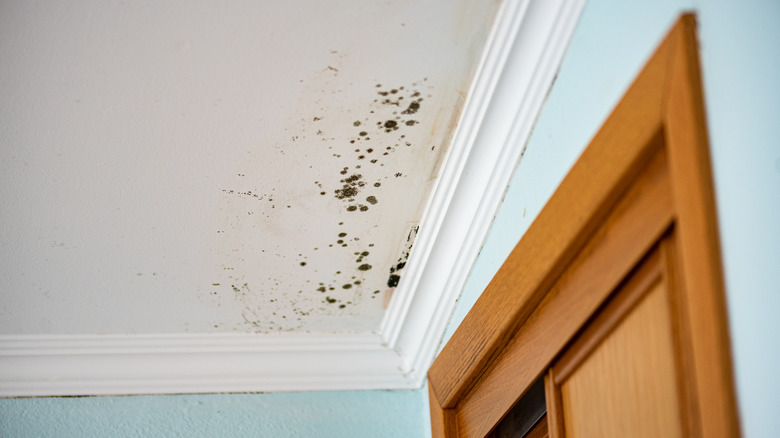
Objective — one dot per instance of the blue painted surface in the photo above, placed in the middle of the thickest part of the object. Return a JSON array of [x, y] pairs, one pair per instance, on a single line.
[[614, 38], [741, 58], [741, 69], [318, 414]]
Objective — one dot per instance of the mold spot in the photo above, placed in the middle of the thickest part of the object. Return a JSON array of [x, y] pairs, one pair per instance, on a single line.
[[347, 286], [303, 263], [356, 123], [346, 191], [393, 280], [342, 234], [412, 108], [364, 267], [363, 133], [351, 208], [371, 200], [363, 207]]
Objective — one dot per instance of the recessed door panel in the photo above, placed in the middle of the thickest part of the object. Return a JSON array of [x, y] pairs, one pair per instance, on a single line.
[[627, 384]]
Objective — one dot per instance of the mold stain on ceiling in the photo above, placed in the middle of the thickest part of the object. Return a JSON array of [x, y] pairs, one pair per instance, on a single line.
[[254, 168]]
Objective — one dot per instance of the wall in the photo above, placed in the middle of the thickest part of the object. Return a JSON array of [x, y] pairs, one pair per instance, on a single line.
[[612, 41], [740, 67], [320, 414]]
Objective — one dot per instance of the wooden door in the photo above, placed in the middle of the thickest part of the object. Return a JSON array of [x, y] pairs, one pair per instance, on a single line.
[[615, 293], [624, 374]]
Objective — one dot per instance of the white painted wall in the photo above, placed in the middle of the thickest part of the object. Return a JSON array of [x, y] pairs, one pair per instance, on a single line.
[[162, 163], [739, 44]]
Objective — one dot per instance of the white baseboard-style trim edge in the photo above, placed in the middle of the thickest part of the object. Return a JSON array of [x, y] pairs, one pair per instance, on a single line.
[[524, 52]]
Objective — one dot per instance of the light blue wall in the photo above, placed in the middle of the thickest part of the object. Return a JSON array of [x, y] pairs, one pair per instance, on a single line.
[[740, 49], [740, 44], [388, 414]]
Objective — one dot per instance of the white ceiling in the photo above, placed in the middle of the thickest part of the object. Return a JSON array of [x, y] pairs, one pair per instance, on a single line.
[[211, 167]]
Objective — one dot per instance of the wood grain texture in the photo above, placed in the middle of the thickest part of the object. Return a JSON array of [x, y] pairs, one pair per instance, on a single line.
[[686, 381], [649, 272], [554, 407], [564, 224], [699, 247], [442, 420], [526, 317], [638, 220], [626, 385]]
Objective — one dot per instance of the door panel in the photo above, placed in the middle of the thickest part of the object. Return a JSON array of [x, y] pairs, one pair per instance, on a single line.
[[627, 385]]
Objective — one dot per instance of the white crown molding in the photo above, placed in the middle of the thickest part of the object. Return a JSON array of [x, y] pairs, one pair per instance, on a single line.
[[523, 57], [524, 52], [155, 364]]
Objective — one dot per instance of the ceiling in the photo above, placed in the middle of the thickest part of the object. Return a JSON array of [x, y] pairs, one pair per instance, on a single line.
[[202, 167], [253, 196]]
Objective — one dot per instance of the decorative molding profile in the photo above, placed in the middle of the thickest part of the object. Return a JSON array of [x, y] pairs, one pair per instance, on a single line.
[[517, 69]]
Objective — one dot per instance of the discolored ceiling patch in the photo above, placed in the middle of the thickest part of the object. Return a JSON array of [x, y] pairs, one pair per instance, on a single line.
[[369, 157], [261, 168]]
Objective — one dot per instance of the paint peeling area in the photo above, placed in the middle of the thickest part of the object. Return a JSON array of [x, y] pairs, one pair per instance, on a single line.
[[308, 233]]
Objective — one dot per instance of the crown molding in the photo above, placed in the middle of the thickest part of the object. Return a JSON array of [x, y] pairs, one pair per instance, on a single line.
[[517, 69], [165, 364]]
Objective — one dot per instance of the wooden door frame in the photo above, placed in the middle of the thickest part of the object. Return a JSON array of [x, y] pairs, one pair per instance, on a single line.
[[645, 173]]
